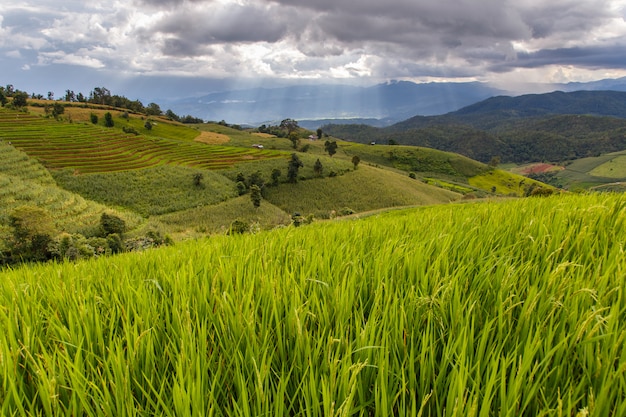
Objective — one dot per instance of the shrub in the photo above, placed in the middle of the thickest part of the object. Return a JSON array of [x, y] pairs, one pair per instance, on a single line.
[[238, 227], [110, 224], [32, 234], [346, 211], [108, 120], [115, 243], [130, 130]]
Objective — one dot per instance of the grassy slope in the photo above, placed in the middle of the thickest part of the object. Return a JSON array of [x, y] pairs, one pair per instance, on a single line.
[[367, 188], [514, 308], [504, 182], [197, 222], [150, 191], [23, 181], [169, 189]]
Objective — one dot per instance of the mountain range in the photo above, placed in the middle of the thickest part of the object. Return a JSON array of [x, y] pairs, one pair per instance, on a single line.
[[379, 105], [555, 126]]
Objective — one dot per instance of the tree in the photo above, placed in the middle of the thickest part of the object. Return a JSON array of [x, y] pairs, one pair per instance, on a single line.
[[255, 179], [494, 162], [275, 176], [355, 161], [108, 120], [148, 125], [57, 110], [33, 230], [197, 179], [111, 224], [50, 95], [100, 95], [20, 99], [94, 118], [153, 109], [290, 125], [69, 95], [317, 168], [255, 195], [319, 133], [292, 170], [171, 115], [295, 139], [3, 98], [330, 147]]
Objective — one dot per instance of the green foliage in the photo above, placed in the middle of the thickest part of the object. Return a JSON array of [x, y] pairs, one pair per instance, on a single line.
[[255, 195], [357, 190], [515, 139], [505, 183], [385, 315], [241, 187], [330, 147], [20, 99], [169, 188], [108, 120], [33, 231], [275, 176], [94, 118], [355, 161], [23, 181], [318, 168], [57, 110], [238, 227], [115, 243], [197, 179], [292, 169], [112, 224], [294, 138]]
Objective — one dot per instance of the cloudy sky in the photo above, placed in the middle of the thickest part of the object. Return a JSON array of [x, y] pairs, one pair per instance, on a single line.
[[170, 45]]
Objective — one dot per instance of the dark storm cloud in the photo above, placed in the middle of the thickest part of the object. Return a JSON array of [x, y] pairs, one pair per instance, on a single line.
[[586, 57], [190, 29], [315, 38]]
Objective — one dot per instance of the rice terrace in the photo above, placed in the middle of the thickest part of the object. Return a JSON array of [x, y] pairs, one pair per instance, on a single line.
[[151, 267]]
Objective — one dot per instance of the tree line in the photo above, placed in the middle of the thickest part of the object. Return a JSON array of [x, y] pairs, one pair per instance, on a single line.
[[98, 96]]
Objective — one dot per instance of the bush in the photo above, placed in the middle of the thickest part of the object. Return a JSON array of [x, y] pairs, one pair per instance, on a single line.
[[108, 120], [130, 130], [115, 243], [238, 227], [111, 224], [346, 211], [33, 230]]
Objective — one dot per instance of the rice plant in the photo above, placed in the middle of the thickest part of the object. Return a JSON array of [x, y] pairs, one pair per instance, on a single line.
[[512, 308]]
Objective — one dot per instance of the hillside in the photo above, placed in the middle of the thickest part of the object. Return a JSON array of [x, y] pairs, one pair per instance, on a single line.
[[512, 307], [556, 127], [164, 178]]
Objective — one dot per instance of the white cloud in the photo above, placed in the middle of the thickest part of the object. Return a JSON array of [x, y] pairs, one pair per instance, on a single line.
[[320, 39]]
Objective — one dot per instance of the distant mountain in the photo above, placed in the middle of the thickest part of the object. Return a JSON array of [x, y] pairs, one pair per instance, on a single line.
[[535, 127], [389, 102], [493, 112]]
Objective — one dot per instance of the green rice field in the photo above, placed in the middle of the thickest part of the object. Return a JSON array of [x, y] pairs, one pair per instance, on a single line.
[[502, 308], [87, 148]]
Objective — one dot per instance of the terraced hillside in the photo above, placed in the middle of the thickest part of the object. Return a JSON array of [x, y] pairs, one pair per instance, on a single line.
[[89, 149], [23, 181]]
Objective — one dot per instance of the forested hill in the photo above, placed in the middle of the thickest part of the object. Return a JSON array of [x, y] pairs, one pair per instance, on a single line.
[[493, 112], [538, 127]]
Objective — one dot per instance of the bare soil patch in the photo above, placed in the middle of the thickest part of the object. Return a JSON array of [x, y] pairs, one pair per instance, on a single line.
[[212, 138]]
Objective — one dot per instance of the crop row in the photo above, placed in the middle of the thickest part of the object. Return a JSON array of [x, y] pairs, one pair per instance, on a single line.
[[93, 149]]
